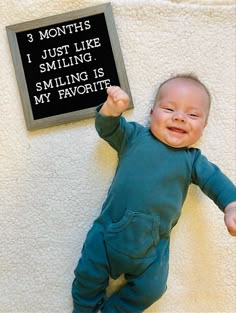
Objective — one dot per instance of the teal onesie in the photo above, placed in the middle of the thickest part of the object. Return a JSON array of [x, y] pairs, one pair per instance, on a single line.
[[131, 235]]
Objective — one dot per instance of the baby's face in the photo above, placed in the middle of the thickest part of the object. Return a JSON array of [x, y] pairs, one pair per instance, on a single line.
[[180, 113]]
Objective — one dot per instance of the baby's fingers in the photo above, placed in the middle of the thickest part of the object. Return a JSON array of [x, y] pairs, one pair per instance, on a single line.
[[117, 94], [230, 221], [113, 91]]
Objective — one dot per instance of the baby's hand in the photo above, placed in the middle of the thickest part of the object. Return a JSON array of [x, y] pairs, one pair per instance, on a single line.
[[230, 218], [117, 102]]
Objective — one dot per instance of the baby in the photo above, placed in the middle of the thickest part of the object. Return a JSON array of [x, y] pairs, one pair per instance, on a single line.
[[156, 166]]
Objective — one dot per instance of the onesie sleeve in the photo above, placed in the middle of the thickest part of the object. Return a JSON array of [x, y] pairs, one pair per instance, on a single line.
[[212, 181], [116, 130]]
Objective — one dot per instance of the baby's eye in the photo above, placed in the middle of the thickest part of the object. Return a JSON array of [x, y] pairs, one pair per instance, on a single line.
[[168, 109], [193, 115]]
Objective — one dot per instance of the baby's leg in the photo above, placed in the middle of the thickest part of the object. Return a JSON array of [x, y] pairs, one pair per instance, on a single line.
[[143, 290], [91, 275]]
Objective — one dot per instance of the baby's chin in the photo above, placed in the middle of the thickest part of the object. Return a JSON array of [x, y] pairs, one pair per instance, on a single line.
[[171, 143], [176, 146]]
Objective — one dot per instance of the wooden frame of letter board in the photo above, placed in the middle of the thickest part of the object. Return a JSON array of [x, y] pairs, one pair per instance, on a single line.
[[78, 114]]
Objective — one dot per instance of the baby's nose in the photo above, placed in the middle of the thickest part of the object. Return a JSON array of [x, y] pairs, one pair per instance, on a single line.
[[179, 116]]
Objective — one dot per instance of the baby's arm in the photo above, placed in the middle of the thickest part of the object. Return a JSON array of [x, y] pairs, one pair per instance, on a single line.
[[117, 102], [230, 218]]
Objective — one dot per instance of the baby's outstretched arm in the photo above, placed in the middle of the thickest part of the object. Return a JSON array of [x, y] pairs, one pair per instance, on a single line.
[[117, 102], [230, 218]]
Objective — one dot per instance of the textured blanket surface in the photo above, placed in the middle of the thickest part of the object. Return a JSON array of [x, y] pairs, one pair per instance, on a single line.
[[53, 181]]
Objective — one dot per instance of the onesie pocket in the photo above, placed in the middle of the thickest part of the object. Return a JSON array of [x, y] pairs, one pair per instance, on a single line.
[[135, 235]]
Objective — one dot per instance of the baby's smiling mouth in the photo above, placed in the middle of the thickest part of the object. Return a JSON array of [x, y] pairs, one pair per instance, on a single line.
[[177, 130]]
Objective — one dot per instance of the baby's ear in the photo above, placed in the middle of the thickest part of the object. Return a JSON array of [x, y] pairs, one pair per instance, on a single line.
[[151, 111]]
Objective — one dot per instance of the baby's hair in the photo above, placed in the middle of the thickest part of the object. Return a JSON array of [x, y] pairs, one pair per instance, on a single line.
[[191, 77]]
